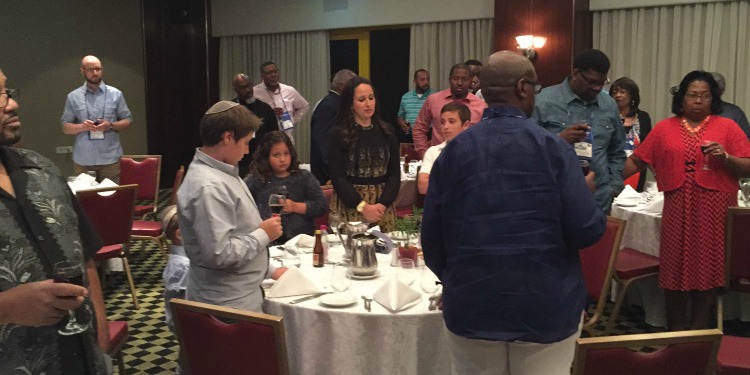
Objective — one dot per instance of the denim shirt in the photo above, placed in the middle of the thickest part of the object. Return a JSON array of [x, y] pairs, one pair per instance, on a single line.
[[106, 103], [553, 110]]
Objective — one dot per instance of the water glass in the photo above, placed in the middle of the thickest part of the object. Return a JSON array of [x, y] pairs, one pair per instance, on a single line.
[[428, 280], [406, 272], [340, 280]]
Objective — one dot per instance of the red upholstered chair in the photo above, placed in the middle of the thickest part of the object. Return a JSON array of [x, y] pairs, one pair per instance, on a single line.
[[597, 263], [686, 353], [734, 355], [150, 231], [254, 343], [143, 170], [110, 210], [176, 185], [118, 336], [631, 265], [323, 219]]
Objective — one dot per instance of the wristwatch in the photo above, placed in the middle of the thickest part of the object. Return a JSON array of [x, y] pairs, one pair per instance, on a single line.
[[361, 206]]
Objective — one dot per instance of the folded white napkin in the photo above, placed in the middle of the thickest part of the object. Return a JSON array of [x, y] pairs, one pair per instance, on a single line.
[[629, 193], [301, 240], [656, 206], [396, 296], [293, 283]]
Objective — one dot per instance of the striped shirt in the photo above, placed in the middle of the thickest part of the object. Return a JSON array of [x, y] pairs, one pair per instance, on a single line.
[[411, 103]]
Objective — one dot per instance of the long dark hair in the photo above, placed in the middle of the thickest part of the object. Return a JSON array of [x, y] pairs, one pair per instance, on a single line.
[[344, 122], [697, 75], [261, 166], [627, 84]]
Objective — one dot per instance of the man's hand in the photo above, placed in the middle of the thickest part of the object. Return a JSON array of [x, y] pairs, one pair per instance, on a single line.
[[373, 212], [272, 227], [590, 181], [40, 303], [404, 125], [278, 111], [574, 134]]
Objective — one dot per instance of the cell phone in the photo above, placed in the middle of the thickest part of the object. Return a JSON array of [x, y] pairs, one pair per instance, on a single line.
[[96, 122]]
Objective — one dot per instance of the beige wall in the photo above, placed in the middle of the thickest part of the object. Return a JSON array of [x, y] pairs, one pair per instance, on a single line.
[[41, 46]]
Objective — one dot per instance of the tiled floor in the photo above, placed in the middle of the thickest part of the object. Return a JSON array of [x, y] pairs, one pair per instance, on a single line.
[[152, 349]]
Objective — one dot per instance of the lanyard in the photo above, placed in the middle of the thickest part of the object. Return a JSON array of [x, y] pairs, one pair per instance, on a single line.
[[86, 103]]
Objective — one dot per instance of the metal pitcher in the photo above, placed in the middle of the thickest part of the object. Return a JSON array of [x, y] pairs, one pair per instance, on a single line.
[[363, 259], [350, 229]]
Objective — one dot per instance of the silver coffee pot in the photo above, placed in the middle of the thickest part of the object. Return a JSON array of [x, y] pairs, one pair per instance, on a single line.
[[364, 261], [350, 229]]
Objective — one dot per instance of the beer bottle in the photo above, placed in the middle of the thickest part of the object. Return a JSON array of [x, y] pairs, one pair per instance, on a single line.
[[318, 256]]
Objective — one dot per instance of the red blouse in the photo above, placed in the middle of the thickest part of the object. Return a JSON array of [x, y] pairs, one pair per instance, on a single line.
[[664, 151]]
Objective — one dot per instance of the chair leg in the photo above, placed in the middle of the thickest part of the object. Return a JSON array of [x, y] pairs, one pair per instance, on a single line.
[[720, 312], [121, 362], [160, 243], [621, 291], [126, 266]]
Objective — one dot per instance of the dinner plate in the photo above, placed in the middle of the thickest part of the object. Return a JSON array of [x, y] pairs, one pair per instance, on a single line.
[[338, 299], [359, 277]]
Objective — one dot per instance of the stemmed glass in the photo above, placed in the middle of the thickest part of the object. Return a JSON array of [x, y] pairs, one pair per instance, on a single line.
[[704, 146], [276, 203], [70, 272]]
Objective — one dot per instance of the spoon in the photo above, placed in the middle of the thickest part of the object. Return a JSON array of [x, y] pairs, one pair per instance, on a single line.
[[368, 302]]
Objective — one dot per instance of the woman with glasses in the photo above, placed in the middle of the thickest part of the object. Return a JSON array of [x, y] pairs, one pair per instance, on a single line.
[[637, 123], [697, 157]]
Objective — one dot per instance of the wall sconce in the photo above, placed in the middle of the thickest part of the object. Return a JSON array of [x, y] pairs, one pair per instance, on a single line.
[[528, 43]]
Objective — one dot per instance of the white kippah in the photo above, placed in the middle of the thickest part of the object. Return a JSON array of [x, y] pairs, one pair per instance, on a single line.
[[221, 107]]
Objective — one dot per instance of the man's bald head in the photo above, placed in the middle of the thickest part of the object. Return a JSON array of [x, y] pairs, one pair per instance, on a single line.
[[340, 79], [91, 69], [508, 78], [242, 86], [90, 59]]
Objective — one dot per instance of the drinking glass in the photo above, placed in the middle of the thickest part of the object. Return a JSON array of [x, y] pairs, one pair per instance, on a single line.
[[69, 272], [428, 280], [333, 224], [276, 203], [704, 147], [340, 280], [406, 273]]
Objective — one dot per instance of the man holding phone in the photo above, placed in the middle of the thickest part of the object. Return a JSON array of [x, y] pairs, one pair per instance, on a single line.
[[95, 113]]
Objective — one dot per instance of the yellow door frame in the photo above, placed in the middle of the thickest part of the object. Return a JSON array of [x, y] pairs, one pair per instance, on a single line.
[[363, 43]]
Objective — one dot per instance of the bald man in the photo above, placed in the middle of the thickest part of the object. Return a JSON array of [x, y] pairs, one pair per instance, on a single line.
[[513, 291], [95, 114], [244, 88]]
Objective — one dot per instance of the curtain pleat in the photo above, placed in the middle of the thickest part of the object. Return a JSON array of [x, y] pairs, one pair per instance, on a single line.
[[657, 46]]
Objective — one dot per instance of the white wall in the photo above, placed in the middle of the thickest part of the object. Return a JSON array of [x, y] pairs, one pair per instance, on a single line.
[[619, 4], [239, 17]]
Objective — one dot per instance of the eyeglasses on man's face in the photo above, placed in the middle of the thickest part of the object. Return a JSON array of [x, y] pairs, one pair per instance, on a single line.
[[93, 70], [593, 82], [537, 85], [5, 97]]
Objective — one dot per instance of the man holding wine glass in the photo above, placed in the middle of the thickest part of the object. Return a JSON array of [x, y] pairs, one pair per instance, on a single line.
[[43, 225]]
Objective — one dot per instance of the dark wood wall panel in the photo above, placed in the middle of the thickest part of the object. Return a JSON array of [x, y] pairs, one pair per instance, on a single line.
[[181, 78], [567, 24]]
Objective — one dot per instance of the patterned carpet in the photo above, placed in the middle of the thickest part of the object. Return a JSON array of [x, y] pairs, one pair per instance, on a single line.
[[152, 349]]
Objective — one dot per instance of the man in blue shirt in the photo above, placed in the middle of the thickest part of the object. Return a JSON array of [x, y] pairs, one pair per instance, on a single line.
[[506, 211], [559, 108], [96, 114], [411, 103]]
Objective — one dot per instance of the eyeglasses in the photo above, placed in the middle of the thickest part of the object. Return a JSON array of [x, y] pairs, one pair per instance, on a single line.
[[537, 85], [95, 70], [591, 82], [272, 71], [695, 97], [6, 96]]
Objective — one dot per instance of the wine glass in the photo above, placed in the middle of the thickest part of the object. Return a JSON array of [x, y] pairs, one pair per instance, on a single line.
[[704, 146], [406, 273], [340, 280], [276, 203], [428, 280], [70, 272]]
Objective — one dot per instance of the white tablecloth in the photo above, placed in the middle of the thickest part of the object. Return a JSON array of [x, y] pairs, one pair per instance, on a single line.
[[643, 233], [350, 340]]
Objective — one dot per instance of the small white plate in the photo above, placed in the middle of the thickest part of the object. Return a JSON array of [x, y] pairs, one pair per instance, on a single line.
[[359, 277], [338, 299]]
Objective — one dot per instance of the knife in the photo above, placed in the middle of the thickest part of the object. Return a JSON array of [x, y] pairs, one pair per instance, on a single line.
[[307, 298]]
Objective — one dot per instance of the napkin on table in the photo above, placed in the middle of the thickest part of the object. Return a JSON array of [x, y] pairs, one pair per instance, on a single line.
[[293, 283], [629, 193], [300, 241], [656, 206], [396, 296]]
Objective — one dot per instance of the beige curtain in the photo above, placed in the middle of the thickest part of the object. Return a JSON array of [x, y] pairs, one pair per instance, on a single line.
[[437, 46], [303, 62], [657, 46]]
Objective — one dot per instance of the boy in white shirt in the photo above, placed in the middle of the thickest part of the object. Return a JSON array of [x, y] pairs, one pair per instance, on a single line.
[[455, 118]]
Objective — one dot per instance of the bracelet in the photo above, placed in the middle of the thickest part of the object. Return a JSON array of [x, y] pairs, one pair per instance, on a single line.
[[361, 206]]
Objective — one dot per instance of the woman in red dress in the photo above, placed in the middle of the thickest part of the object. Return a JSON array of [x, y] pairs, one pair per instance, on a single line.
[[697, 157]]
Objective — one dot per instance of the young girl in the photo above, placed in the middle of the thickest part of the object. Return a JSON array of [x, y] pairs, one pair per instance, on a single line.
[[275, 170]]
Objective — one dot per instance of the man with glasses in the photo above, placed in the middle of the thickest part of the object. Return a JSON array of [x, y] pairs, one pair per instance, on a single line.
[[290, 107], [42, 224], [429, 116], [95, 114], [578, 106], [512, 305]]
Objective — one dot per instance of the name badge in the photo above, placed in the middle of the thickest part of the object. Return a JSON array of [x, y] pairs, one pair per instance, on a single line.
[[286, 121], [96, 135]]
